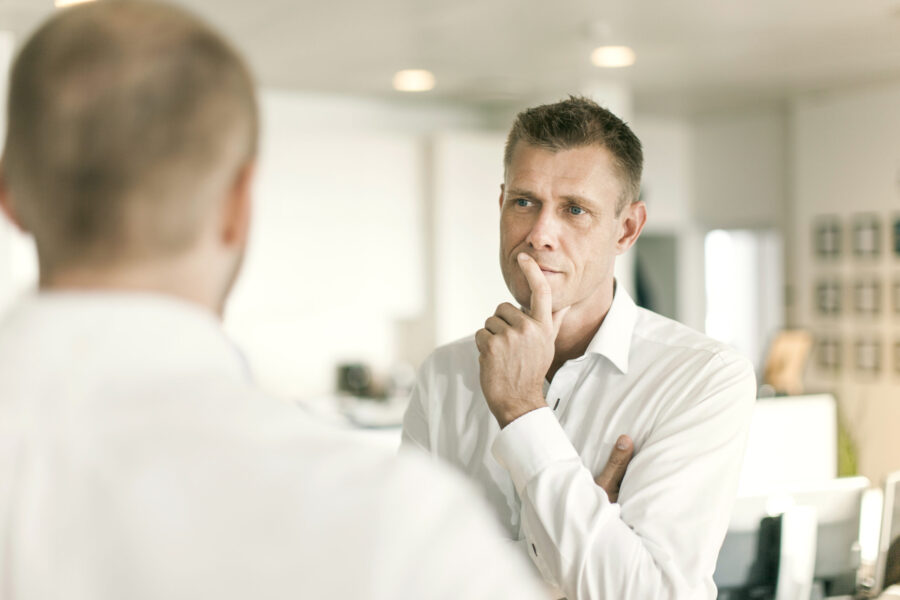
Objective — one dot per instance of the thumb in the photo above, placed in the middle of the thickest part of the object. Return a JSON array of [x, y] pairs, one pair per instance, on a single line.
[[610, 479]]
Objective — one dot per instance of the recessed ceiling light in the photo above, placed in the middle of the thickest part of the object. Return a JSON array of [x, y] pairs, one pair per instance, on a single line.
[[62, 3], [613, 57], [413, 80]]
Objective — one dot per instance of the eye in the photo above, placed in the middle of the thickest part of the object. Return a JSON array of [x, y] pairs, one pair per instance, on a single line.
[[523, 202], [576, 210]]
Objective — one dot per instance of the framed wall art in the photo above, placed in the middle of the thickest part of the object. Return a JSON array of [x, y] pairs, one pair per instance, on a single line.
[[867, 296], [867, 353], [896, 236], [867, 236], [828, 297], [895, 294], [829, 350], [827, 236], [897, 357]]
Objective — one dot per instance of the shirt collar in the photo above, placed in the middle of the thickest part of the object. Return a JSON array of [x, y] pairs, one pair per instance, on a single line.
[[613, 339], [137, 331]]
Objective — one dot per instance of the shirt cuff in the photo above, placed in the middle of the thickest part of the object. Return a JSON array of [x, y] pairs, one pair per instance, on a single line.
[[529, 444]]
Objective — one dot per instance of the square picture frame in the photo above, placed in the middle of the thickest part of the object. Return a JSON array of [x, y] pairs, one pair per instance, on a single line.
[[828, 295], [867, 236], [897, 357], [896, 236], [895, 294], [829, 352], [867, 356], [828, 237], [867, 297]]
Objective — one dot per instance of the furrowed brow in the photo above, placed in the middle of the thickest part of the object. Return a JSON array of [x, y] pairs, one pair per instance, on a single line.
[[580, 200], [520, 193]]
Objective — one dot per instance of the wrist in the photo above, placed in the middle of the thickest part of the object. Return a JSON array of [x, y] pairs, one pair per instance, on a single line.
[[505, 417]]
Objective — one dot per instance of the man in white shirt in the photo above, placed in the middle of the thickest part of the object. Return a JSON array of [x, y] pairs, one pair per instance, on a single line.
[[532, 405], [137, 459]]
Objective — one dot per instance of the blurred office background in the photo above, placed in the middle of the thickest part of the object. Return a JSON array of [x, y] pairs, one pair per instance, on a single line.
[[772, 144]]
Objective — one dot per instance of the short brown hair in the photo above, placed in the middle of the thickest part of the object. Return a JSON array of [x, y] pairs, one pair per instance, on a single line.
[[577, 122], [125, 119]]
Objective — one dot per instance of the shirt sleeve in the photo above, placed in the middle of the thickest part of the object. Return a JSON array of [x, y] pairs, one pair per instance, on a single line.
[[662, 538]]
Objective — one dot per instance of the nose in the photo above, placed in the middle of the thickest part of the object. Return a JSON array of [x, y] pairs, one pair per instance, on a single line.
[[544, 232]]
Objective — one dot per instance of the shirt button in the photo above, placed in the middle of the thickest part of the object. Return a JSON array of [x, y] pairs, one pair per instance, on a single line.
[[555, 406], [533, 549]]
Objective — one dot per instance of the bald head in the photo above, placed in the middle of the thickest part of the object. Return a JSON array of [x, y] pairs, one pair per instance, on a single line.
[[127, 122]]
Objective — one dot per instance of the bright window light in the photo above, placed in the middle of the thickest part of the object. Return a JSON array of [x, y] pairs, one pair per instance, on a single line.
[[613, 57], [414, 80], [62, 3]]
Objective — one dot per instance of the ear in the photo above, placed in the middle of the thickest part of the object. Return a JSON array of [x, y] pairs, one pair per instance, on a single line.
[[631, 223], [6, 205], [238, 207], [502, 193]]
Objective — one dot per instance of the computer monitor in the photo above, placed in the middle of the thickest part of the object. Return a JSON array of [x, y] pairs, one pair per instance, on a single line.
[[748, 560], [890, 533], [779, 453], [746, 556]]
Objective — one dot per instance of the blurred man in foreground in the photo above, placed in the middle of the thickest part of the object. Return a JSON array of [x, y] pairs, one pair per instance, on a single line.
[[137, 459], [532, 406]]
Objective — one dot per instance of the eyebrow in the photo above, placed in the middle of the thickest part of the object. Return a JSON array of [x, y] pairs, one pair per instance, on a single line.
[[521, 193], [580, 200]]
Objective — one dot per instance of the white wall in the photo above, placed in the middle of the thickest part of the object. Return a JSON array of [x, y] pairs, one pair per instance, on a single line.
[[668, 184], [468, 171], [846, 157], [740, 169], [669, 191], [337, 269]]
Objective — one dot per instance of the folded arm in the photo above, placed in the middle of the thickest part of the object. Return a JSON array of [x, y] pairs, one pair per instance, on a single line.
[[662, 539]]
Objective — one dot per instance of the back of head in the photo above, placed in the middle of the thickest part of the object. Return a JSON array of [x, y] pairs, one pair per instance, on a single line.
[[127, 120], [575, 123]]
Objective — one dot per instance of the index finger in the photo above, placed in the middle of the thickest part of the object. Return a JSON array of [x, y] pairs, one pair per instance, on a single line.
[[541, 308]]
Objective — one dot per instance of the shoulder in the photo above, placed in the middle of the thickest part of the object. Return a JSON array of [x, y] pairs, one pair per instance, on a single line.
[[706, 371], [687, 345]]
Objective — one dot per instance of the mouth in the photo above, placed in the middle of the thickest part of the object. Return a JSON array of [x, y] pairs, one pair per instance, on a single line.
[[545, 269], [548, 270]]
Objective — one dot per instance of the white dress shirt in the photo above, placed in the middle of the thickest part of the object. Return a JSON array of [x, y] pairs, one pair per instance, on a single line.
[[138, 461], [684, 399]]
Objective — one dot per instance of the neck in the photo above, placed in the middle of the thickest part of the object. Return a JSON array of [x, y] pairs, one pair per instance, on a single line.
[[580, 326], [175, 277]]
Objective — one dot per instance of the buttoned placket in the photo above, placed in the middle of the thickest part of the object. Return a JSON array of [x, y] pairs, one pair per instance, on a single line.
[[558, 392], [556, 395]]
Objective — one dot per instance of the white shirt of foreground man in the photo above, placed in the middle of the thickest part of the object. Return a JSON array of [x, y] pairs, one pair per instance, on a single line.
[[138, 461], [568, 207]]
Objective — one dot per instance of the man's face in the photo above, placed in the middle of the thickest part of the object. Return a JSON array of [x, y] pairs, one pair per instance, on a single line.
[[560, 208]]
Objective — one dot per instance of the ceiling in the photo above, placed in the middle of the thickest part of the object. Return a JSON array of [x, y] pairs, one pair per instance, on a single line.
[[692, 55]]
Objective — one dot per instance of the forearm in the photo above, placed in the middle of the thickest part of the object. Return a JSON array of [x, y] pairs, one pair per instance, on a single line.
[[573, 534], [585, 548]]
